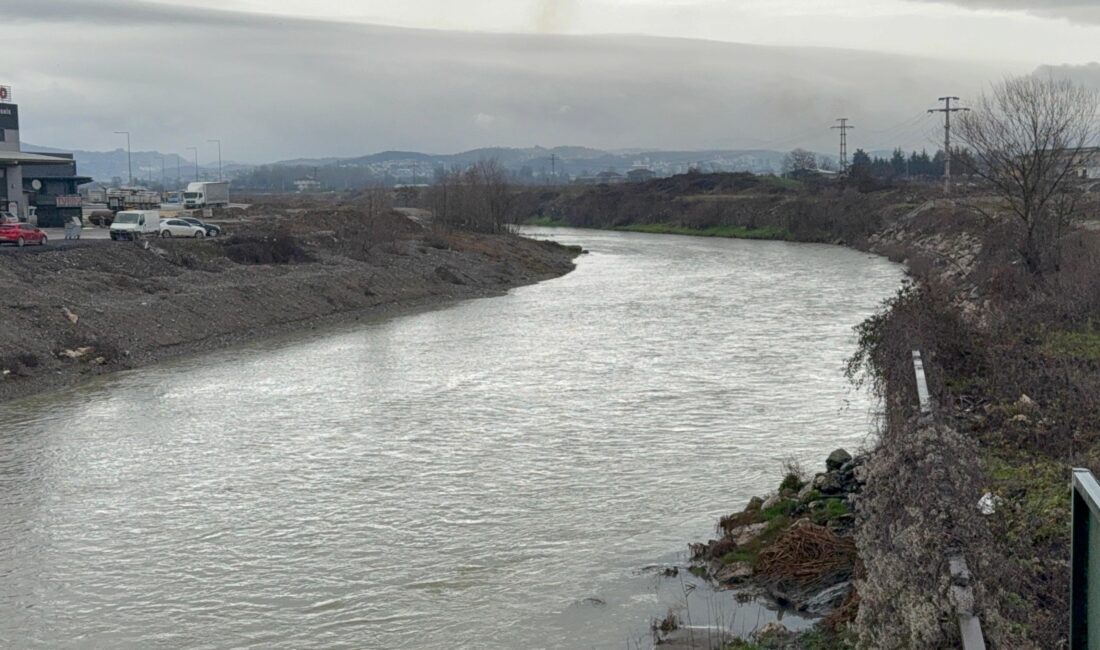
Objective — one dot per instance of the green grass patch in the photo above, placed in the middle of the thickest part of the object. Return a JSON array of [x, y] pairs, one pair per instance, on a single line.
[[740, 555], [781, 509], [1035, 490], [546, 222], [730, 232], [833, 508], [1076, 345], [814, 639], [814, 495], [781, 181], [792, 482]]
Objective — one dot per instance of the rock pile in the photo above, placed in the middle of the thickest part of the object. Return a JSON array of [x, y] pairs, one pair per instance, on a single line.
[[795, 547]]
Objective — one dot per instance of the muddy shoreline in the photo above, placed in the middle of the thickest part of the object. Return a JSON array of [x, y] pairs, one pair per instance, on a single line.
[[70, 314]]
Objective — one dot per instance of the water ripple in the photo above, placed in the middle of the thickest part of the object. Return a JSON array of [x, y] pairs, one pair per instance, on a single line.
[[458, 478]]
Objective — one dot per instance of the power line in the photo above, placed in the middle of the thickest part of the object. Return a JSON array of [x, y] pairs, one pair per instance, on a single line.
[[790, 139], [947, 110], [898, 135], [843, 128]]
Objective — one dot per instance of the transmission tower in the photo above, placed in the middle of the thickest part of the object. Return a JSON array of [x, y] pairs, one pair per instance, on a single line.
[[947, 110], [843, 128]]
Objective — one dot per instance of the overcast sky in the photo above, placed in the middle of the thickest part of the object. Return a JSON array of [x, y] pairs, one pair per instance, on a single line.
[[287, 78], [1033, 31]]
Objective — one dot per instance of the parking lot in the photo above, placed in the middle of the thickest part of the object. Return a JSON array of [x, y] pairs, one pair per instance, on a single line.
[[89, 236]]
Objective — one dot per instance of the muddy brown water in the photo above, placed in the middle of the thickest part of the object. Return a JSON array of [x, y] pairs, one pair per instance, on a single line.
[[500, 473]]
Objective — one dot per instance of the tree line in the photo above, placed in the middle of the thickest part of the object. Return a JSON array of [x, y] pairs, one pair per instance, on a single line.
[[916, 165]]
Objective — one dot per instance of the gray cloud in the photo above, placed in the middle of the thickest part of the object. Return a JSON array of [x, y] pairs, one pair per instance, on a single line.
[[274, 87], [1080, 11], [1087, 75]]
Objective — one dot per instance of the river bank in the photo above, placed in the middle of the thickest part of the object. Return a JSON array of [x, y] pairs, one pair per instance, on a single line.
[[1012, 364], [84, 311]]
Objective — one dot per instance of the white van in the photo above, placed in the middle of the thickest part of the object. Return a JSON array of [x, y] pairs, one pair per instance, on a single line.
[[136, 224]]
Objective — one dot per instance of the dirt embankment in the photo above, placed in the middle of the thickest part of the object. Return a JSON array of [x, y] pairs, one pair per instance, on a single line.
[[107, 306]]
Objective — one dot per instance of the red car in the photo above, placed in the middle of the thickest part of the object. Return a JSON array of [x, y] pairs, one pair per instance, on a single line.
[[21, 234]]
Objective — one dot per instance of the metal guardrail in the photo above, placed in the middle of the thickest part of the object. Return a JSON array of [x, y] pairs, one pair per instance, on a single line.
[[962, 595], [1085, 563]]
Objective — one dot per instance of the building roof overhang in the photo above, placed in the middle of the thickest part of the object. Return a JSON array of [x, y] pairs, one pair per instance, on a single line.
[[9, 158]]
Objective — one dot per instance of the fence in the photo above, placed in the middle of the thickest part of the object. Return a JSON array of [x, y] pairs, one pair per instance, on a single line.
[[962, 595], [1085, 564]]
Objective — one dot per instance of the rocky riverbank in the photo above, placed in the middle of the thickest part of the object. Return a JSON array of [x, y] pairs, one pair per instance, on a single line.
[[72, 313], [793, 549], [1012, 359]]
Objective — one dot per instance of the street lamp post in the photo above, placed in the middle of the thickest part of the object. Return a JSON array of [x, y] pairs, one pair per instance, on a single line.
[[219, 157], [129, 159], [196, 150]]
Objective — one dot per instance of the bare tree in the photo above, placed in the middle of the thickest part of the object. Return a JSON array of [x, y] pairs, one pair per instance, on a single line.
[[799, 161], [478, 198], [1027, 135]]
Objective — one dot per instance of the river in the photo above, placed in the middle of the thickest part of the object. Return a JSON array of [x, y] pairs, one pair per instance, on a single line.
[[499, 473]]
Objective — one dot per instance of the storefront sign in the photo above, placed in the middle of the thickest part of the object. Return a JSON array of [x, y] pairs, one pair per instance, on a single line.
[[9, 116]]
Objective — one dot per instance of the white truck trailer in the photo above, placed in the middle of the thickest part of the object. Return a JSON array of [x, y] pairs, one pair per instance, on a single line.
[[206, 195]]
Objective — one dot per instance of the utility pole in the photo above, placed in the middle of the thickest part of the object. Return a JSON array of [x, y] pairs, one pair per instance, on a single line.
[[179, 175], [163, 175], [129, 163], [196, 150], [947, 110], [843, 128], [219, 157], [554, 166]]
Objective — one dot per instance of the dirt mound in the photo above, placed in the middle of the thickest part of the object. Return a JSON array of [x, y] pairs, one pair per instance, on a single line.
[[90, 309]]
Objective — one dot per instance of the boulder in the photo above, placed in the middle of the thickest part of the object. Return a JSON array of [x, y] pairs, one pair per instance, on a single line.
[[1025, 403], [771, 502], [830, 483], [746, 534], [837, 459], [755, 503], [734, 573], [774, 631], [805, 492], [850, 466]]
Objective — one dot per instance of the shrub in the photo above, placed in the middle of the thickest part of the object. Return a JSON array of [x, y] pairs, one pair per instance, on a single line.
[[278, 248]]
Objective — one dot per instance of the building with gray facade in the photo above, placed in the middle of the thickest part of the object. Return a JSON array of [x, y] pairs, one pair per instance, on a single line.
[[45, 182]]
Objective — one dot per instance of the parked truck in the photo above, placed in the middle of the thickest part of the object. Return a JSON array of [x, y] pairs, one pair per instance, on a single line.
[[136, 224], [123, 198], [206, 195]]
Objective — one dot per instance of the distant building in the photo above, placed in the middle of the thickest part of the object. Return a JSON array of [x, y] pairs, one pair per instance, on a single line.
[[307, 185], [609, 178], [640, 175], [52, 190], [45, 182], [1087, 165]]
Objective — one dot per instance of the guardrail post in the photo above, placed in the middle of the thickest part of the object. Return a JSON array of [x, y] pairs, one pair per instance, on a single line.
[[962, 595], [922, 386]]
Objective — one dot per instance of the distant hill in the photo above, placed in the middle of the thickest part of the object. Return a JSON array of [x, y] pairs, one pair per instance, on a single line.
[[570, 161], [147, 165]]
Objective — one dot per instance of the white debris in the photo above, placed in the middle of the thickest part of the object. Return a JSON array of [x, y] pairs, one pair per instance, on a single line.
[[989, 503]]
